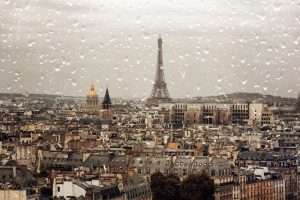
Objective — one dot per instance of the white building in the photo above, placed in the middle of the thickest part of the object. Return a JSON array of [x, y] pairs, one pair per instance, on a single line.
[[259, 114], [68, 189]]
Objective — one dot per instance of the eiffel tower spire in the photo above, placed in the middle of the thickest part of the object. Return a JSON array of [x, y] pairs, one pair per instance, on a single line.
[[160, 91]]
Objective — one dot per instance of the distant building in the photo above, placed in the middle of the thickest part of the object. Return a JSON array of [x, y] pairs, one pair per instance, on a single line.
[[215, 114], [247, 187], [289, 142], [17, 176], [177, 115], [283, 163], [149, 165], [59, 160], [192, 116], [181, 166], [240, 113], [259, 115], [92, 101], [26, 155], [9, 194], [71, 189], [265, 158], [137, 189]]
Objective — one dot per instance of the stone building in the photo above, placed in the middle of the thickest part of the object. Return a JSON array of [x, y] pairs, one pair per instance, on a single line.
[[76, 189], [9, 194], [247, 187], [192, 116], [239, 113], [177, 115], [283, 163], [215, 114], [260, 115]]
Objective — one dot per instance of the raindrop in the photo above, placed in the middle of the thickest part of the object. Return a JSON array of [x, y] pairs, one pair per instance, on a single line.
[[268, 63], [31, 44], [146, 37], [74, 84], [81, 56], [277, 7], [183, 74], [206, 52]]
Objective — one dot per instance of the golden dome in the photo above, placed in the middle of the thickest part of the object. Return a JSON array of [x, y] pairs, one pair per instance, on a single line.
[[92, 91]]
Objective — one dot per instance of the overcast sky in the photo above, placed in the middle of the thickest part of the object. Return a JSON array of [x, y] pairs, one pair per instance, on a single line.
[[210, 47]]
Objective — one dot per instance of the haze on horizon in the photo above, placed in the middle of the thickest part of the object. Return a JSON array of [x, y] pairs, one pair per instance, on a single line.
[[210, 47]]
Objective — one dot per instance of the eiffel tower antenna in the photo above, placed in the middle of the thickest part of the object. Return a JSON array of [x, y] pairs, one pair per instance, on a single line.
[[160, 93]]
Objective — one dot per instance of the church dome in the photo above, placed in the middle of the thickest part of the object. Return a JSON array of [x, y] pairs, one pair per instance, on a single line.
[[92, 91]]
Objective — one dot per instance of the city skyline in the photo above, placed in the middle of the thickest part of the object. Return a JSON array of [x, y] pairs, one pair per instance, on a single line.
[[209, 49], [149, 99]]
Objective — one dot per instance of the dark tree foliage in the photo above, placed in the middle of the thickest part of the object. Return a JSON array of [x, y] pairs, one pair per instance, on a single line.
[[197, 187], [165, 187], [46, 191]]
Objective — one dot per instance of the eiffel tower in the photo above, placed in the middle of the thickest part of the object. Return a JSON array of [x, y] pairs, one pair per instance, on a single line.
[[160, 93]]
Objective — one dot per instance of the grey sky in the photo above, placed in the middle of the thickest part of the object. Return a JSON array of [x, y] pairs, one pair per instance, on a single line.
[[210, 46]]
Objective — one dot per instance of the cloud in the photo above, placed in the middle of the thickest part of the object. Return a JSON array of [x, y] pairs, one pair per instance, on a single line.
[[114, 43]]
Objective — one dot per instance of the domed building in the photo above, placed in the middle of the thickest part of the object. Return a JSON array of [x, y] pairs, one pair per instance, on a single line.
[[92, 97], [101, 110], [92, 101]]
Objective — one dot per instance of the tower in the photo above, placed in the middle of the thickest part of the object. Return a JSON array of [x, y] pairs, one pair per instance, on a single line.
[[160, 93], [106, 111], [106, 104]]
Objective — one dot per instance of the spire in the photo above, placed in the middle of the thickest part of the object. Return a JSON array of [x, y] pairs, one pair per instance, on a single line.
[[106, 104], [160, 54]]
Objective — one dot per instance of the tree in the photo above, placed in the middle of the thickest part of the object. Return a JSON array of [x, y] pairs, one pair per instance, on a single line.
[[172, 187], [197, 187], [165, 187], [157, 180]]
